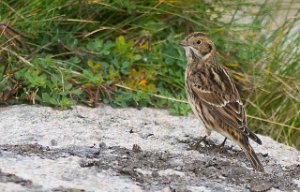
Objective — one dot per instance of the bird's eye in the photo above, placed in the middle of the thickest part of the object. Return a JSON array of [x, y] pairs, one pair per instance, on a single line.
[[199, 42]]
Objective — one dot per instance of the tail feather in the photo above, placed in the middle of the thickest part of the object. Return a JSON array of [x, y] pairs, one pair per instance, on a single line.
[[248, 150], [242, 139], [254, 138], [250, 134]]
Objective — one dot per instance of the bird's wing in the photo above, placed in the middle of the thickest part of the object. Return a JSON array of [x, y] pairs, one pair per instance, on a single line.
[[214, 87]]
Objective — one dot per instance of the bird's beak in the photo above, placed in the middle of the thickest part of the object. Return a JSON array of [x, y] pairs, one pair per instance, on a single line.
[[184, 43]]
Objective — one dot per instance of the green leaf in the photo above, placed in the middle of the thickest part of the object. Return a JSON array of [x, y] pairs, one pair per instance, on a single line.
[[120, 42], [95, 45], [137, 57]]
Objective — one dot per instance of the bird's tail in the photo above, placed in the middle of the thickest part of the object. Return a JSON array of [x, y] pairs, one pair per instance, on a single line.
[[248, 150]]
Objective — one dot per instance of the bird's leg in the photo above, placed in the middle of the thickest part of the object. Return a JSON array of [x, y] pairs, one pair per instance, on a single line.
[[204, 139], [222, 145]]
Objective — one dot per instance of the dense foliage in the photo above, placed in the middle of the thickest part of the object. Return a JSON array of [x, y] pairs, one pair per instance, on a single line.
[[127, 53]]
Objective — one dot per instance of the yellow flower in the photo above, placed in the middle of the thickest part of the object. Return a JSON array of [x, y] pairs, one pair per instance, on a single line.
[[143, 82], [88, 85], [38, 70], [234, 64], [95, 67], [90, 63], [144, 46]]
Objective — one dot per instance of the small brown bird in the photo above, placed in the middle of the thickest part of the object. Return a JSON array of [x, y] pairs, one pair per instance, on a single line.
[[214, 97]]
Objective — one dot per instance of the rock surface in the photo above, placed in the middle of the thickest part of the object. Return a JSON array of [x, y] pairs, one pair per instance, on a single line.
[[106, 149]]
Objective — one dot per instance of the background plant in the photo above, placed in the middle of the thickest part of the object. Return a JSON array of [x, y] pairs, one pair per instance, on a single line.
[[126, 53]]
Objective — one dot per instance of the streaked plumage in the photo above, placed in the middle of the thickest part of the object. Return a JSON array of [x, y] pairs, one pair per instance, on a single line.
[[214, 97]]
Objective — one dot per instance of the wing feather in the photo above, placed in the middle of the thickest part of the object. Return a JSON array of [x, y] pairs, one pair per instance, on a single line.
[[214, 87]]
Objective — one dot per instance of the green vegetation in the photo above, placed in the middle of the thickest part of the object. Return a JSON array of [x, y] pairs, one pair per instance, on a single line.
[[127, 53]]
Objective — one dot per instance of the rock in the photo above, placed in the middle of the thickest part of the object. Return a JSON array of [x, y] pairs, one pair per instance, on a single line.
[[106, 149]]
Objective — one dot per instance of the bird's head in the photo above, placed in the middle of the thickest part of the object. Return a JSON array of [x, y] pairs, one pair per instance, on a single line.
[[198, 46]]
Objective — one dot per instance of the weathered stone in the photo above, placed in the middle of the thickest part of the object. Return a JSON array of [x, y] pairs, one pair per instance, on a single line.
[[106, 149]]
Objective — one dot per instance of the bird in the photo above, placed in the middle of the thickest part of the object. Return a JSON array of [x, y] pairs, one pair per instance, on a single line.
[[214, 97]]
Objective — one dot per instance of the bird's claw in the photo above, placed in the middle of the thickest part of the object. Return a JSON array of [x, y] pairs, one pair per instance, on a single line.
[[221, 147], [207, 143]]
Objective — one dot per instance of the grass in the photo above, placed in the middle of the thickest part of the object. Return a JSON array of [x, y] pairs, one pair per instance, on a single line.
[[126, 53]]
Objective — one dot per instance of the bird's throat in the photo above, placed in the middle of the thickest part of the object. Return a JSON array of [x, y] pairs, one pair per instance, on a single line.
[[193, 56]]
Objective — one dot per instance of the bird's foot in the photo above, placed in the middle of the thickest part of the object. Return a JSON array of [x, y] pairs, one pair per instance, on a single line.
[[207, 143], [221, 147]]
